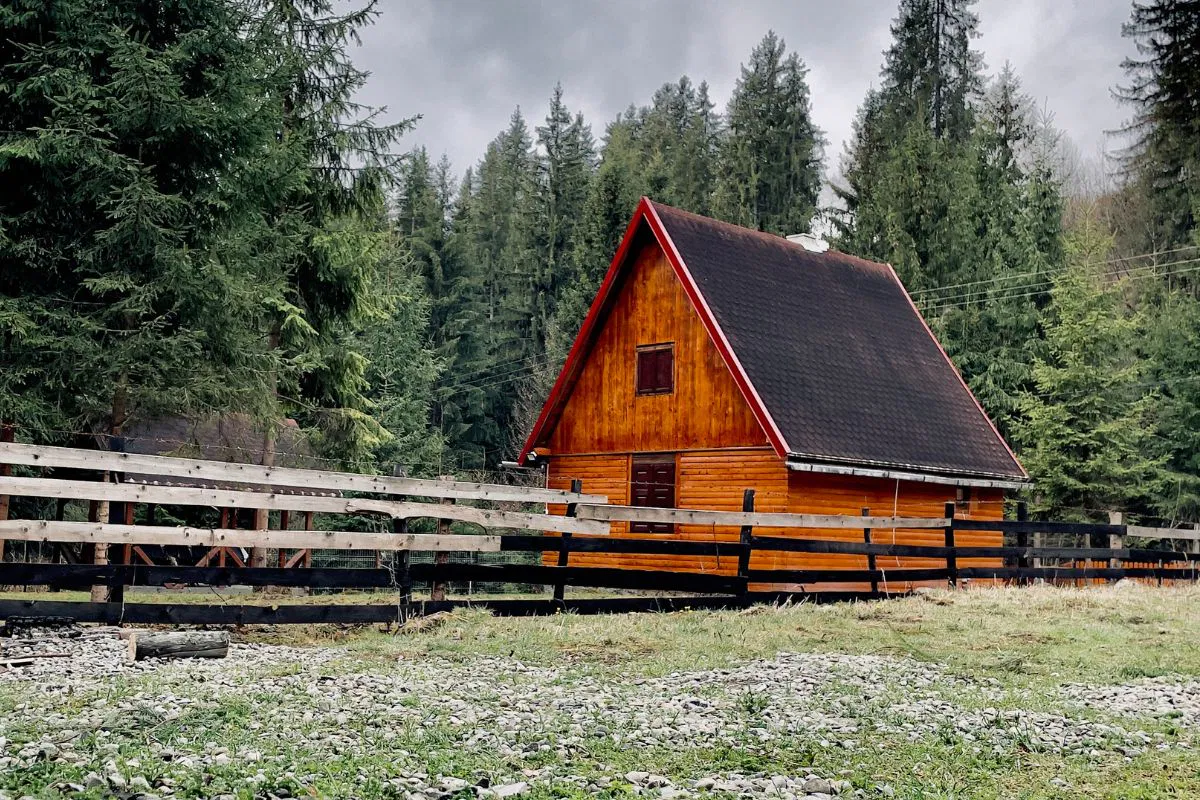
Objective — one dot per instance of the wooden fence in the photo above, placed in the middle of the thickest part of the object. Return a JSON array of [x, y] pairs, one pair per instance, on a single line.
[[582, 529]]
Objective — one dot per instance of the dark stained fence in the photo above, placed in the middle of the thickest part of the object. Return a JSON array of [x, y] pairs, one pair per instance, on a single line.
[[392, 563], [699, 590]]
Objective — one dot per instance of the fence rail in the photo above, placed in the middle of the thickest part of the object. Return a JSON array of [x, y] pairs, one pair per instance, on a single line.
[[30, 455], [731, 569]]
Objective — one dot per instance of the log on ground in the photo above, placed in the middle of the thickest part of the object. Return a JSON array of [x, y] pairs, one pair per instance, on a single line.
[[181, 644]]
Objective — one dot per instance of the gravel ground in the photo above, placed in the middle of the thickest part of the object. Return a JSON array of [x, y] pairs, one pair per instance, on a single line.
[[1164, 698], [273, 717]]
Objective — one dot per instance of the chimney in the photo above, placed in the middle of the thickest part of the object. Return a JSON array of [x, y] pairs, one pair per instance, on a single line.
[[814, 244]]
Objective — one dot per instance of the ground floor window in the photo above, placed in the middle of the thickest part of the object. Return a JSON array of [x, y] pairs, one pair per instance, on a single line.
[[652, 484]]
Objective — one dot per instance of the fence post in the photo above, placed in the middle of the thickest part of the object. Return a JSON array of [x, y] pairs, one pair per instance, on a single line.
[[437, 590], [116, 592], [400, 526], [308, 526], [1195, 549], [564, 541], [1115, 540], [99, 513], [746, 538], [1023, 561], [951, 558], [871, 562], [6, 435]]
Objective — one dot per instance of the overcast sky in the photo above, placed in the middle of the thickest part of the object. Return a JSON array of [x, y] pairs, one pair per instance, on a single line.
[[465, 64]]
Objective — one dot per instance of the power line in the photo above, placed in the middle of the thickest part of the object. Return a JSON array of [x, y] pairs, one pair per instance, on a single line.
[[513, 374], [1151, 269], [998, 278], [482, 372], [1040, 288]]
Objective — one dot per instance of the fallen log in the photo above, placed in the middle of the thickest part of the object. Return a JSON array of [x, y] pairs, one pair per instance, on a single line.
[[182, 644]]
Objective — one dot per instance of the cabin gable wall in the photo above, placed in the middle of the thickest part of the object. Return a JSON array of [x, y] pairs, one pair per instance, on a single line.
[[605, 414]]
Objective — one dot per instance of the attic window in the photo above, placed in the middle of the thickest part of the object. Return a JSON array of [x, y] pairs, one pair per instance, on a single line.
[[656, 368]]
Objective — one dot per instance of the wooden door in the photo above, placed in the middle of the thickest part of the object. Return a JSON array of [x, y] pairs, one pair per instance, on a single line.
[[652, 485]]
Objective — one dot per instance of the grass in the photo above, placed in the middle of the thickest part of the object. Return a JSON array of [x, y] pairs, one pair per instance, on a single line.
[[1035, 636], [1025, 643]]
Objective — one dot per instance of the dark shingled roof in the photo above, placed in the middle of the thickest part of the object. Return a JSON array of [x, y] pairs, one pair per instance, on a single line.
[[840, 357]]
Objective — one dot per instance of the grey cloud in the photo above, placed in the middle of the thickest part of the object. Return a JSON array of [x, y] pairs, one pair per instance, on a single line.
[[465, 64]]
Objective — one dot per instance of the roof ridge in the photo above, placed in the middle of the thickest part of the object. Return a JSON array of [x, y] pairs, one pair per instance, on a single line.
[[766, 236]]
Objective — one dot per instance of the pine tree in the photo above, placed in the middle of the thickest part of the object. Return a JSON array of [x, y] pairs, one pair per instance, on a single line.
[[1087, 434], [333, 165], [770, 173], [564, 166], [1172, 342], [125, 288], [990, 323], [1163, 159]]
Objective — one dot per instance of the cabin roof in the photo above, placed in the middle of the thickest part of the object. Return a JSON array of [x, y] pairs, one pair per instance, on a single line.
[[827, 348]]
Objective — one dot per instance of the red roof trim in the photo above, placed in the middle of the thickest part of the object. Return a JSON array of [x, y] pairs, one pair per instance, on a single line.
[[574, 363], [566, 376], [957, 374], [716, 334]]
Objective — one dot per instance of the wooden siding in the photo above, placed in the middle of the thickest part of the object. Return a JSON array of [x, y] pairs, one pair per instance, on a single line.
[[716, 480], [607, 475], [604, 413], [704, 479], [817, 493]]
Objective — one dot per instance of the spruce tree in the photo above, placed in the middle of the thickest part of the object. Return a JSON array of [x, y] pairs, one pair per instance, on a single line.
[[564, 170], [930, 71], [990, 322], [1172, 352], [333, 164], [459, 412], [1086, 436], [402, 371], [1163, 159], [770, 169], [497, 235], [906, 183], [677, 145], [612, 197], [125, 281]]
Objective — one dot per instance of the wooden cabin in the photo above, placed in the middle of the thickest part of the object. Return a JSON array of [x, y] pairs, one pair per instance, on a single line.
[[716, 359]]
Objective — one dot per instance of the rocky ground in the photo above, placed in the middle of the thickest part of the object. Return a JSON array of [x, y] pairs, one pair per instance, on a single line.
[[274, 721]]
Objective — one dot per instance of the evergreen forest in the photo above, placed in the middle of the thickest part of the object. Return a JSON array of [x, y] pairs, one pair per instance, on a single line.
[[198, 218]]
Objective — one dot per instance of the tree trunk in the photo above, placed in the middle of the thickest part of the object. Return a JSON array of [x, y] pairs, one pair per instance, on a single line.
[[179, 644]]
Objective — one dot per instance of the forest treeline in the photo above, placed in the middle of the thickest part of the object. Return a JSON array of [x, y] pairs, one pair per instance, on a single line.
[[198, 218]]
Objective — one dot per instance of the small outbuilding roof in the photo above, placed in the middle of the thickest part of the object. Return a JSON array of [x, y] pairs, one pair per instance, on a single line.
[[827, 348]]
